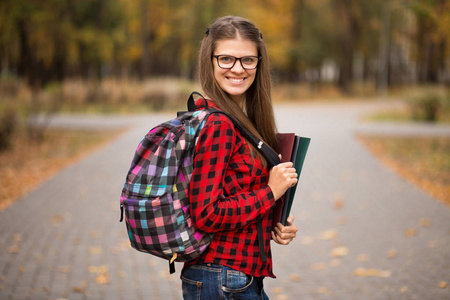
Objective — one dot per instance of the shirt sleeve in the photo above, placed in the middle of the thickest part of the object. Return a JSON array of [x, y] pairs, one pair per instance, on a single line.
[[211, 209]]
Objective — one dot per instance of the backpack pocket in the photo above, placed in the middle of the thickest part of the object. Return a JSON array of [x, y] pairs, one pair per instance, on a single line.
[[162, 226]]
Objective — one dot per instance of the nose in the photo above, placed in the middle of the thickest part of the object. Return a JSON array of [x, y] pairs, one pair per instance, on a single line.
[[237, 68]]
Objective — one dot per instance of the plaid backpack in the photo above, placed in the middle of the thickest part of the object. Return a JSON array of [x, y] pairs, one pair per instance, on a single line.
[[155, 194]]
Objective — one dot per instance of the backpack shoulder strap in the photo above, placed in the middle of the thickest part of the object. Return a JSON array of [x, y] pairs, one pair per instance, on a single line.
[[269, 154]]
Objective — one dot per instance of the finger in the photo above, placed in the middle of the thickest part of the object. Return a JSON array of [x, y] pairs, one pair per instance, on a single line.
[[280, 240], [285, 236], [283, 241], [290, 220], [286, 164], [279, 226], [275, 238], [289, 169], [285, 229]]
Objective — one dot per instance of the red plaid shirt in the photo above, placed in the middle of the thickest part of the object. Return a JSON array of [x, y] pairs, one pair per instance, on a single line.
[[228, 196]]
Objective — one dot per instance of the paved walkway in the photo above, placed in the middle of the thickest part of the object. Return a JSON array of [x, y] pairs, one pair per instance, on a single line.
[[364, 232]]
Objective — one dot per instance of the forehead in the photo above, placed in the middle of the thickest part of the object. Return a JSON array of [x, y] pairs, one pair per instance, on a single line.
[[236, 47]]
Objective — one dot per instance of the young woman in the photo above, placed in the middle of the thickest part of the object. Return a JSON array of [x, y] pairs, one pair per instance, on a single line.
[[231, 189]]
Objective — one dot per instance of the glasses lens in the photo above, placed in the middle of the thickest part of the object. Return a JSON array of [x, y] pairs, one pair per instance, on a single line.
[[249, 62], [226, 61]]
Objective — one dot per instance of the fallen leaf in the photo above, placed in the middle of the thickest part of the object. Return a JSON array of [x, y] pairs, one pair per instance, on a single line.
[[102, 278], [121, 247], [425, 222], [80, 288], [18, 238], [323, 290], [335, 262], [380, 273], [95, 233], [277, 290], [411, 232], [392, 253], [57, 219], [163, 274], [98, 269], [295, 277], [338, 204], [282, 297], [443, 284], [22, 269], [95, 250], [363, 258], [362, 272], [59, 236], [65, 269], [403, 289], [339, 251], [319, 266], [122, 274], [432, 244], [306, 240], [329, 234], [342, 221], [14, 249]]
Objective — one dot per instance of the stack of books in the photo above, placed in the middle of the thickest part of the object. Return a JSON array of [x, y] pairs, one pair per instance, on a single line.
[[292, 148]]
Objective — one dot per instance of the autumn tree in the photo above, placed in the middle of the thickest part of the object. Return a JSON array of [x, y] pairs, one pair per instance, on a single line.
[[49, 40], [432, 37]]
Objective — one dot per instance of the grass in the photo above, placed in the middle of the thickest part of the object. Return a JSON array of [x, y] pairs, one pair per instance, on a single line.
[[22, 170], [420, 104], [423, 161], [403, 114]]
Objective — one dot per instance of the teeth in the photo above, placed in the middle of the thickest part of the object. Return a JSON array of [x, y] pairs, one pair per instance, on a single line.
[[236, 80]]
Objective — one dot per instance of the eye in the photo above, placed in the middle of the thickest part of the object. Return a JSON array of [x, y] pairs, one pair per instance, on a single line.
[[226, 59], [248, 60]]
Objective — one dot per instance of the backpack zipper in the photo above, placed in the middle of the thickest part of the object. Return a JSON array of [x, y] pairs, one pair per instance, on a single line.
[[121, 212]]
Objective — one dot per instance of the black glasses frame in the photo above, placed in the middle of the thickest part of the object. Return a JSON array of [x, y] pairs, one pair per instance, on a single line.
[[236, 59]]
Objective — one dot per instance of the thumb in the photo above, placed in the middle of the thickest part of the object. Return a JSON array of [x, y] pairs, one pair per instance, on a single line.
[[290, 219]]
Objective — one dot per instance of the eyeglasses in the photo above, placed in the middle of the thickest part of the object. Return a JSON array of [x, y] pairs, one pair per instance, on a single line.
[[228, 62]]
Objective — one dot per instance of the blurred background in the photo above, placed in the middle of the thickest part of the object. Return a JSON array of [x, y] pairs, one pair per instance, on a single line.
[[121, 56], [76, 74], [109, 52]]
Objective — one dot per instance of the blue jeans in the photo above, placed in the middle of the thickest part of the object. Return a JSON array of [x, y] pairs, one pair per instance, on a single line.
[[211, 282]]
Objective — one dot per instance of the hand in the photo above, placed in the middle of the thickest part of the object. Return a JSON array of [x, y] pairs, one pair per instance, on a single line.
[[283, 235], [282, 177]]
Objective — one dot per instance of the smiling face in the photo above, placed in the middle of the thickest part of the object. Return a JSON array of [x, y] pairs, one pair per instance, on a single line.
[[237, 80]]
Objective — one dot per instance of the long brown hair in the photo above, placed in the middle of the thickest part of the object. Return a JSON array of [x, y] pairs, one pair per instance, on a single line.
[[258, 104]]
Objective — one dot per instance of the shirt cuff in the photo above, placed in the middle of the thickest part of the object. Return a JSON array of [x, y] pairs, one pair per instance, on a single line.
[[269, 196]]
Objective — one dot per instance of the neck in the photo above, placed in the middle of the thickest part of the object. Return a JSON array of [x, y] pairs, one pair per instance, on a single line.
[[239, 100]]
